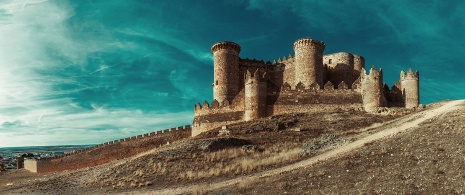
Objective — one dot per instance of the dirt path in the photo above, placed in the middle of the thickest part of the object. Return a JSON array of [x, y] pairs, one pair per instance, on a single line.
[[391, 130]]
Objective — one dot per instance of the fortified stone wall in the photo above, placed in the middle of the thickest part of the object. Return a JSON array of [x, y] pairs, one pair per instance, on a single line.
[[300, 99], [108, 151], [394, 95], [314, 99], [287, 69], [207, 117], [278, 72]]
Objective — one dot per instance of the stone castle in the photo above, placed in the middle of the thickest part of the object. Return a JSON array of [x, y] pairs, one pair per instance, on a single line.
[[309, 81]]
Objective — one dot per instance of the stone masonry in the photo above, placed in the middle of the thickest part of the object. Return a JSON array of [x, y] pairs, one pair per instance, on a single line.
[[245, 89]]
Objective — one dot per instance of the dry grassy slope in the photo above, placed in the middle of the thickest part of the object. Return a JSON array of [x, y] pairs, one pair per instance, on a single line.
[[194, 162], [428, 159]]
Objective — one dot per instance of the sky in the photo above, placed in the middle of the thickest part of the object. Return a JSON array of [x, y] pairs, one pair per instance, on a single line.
[[91, 71]]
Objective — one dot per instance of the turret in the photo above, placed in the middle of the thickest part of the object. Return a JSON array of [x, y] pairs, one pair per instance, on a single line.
[[255, 95], [359, 63], [226, 70], [372, 89], [409, 83], [309, 61]]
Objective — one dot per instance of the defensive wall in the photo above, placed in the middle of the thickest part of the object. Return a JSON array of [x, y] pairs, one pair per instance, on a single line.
[[108, 151], [337, 67], [300, 99]]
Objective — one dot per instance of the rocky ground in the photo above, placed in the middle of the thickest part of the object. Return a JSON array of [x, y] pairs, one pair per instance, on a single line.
[[417, 161], [428, 159]]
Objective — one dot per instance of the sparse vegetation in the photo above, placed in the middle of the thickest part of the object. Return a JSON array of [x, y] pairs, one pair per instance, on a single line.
[[262, 145], [321, 143]]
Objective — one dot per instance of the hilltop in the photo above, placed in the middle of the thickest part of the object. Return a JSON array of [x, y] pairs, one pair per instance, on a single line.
[[281, 150]]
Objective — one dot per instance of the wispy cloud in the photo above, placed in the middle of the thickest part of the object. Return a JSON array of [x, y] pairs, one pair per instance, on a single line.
[[67, 71]]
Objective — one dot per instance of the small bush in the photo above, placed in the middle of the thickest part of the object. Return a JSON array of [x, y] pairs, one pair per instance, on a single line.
[[320, 143]]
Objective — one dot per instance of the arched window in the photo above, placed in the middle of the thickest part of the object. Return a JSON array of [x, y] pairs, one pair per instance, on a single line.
[[330, 60]]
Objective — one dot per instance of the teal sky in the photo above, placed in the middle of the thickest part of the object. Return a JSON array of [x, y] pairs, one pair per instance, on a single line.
[[90, 71]]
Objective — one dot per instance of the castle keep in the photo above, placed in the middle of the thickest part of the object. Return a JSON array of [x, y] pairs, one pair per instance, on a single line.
[[309, 81]]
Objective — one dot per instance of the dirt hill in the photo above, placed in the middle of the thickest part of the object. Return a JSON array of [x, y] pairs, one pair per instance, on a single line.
[[339, 152]]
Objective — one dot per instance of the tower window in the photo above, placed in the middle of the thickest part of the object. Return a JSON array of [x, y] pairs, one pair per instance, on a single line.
[[330, 61], [216, 82]]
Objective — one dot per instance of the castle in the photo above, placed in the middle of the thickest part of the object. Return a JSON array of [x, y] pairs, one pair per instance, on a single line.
[[309, 81]]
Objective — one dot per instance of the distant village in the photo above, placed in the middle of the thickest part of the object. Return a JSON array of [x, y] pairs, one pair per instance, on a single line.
[[16, 160]]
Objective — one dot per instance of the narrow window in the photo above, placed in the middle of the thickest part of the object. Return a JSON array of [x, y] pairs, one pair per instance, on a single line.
[[330, 60], [216, 83]]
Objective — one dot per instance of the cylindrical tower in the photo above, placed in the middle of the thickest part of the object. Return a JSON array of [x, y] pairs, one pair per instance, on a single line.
[[372, 89], [359, 63], [226, 70], [410, 88], [309, 61], [255, 95]]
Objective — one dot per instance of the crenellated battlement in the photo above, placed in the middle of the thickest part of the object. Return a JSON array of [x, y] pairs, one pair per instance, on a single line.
[[373, 74], [409, 91], [226, 45], [155, 134], [257, 76], [284, 60], [409, 74], [315, 88], [372, 89], [224, 106], [108, 151], [214, 105], [309, 43]]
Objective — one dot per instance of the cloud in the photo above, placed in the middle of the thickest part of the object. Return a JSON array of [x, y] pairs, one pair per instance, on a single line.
[[84, 127], [67, 69]]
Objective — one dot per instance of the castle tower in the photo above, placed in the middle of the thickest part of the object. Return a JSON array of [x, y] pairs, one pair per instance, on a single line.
[[372, 89], [226, 70], [340, 68], [409, 83], [255, 95], [359, 63], [309, 62]]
